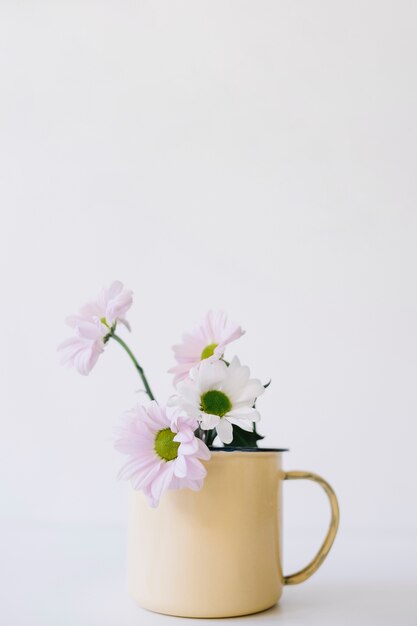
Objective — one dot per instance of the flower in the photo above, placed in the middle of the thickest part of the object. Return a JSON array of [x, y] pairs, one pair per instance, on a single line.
[[110, 306], [83, 350], [218, 396], [93, 322], [163, 452], [207, 342]]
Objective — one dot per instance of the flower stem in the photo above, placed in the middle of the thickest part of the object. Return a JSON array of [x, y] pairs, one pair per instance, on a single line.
[[135, 363]]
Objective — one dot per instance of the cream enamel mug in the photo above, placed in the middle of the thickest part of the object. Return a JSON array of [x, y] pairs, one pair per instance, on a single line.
[[217, 552]]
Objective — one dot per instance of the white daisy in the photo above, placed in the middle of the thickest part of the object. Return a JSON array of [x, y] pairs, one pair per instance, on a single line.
[[218, 396]]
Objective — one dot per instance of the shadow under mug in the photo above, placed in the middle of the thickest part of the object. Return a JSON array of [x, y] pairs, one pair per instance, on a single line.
[[217, 552]]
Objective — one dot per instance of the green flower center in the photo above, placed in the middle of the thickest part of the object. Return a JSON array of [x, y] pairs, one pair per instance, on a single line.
[[165, 447], [208, 351], [215, 402]]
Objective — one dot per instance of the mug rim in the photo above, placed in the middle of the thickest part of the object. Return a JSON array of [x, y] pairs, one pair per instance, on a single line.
[[243, 449]]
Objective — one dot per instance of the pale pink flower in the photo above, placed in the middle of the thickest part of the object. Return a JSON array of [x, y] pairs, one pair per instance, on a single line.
[[92, 324], [206, 343], [111, 305], [83, 350], [163, 452]]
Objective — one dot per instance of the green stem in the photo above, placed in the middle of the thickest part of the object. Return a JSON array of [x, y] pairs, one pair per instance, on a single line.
[[135, 363]]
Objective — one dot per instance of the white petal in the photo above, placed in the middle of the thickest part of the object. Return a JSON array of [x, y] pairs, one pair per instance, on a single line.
[[245, 424], [225, 430], [210, 375], [209, 421], [251, 390], [236, 379], [245, 413], [187, 390]]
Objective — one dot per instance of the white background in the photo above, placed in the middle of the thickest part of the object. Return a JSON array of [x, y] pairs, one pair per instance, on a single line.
[[258, 157]]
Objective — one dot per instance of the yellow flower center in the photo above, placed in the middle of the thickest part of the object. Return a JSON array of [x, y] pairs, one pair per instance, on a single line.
[[208, 351], [165, 447], [215, 402]]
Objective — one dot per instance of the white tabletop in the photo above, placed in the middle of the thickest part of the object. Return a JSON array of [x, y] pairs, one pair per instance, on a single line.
[[55, 575]]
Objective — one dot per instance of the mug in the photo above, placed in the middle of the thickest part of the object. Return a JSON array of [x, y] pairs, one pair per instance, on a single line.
[[217, 552]]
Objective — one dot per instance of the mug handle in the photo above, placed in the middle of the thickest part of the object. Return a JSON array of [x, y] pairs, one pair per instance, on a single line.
[[313, 566]]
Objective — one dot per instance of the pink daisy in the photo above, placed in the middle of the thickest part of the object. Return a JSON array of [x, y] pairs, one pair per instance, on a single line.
[[207, 342], [83, 350], [91, 326], [111, 305], [163, 452]]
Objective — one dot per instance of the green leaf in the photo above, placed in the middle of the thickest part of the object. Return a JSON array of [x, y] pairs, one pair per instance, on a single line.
[[243, 438]]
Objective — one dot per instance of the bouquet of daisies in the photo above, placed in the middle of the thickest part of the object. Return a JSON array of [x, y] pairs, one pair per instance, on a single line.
[[214, 401]]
